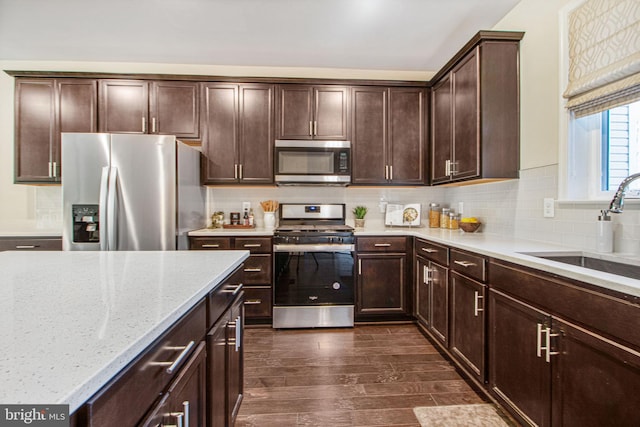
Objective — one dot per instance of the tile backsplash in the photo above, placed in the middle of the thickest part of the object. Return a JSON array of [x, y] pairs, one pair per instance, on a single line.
[[506, 208]]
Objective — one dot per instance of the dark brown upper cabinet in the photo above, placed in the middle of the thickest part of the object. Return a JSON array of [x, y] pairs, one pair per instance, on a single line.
[[238, 134], [388, 135], [150, 107], [43, 109], [475, 112], [312, 112]]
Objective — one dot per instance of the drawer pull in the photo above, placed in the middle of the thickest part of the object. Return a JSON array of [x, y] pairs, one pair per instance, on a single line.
[[465, 263], [252, 270], [233, 291], [253, 302], [429, 250], [26, 246], [173, 366], [252, 245], [211, 245], [547, 346], [382, 245]]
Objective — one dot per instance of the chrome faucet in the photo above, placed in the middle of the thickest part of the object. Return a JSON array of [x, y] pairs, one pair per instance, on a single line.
[[618, 200]]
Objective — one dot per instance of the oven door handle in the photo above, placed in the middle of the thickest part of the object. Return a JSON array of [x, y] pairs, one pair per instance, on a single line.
[[313, 248]]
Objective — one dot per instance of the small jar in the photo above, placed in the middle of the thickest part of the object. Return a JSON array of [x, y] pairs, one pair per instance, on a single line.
[[454, 221], [444, 218], [434, 215]]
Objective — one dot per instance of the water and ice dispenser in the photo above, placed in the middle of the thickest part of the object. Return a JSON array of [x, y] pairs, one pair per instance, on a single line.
[[86, 224]]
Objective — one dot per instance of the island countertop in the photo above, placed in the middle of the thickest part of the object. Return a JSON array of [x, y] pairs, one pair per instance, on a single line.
[[72, 320]]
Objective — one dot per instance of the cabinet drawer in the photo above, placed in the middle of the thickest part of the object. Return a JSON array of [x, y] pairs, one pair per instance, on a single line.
[[223, 295], [432, 251], [257, 270], [255, 245], [257, 302], [210, 243], [31, 244], [470, 265], [128, 396], [381, 244]]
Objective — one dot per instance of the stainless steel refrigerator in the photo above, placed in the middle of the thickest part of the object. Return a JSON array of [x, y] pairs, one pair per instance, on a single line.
[[129, 192]]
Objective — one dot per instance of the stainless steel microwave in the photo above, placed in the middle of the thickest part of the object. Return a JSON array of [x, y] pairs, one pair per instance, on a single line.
[[312, 162]]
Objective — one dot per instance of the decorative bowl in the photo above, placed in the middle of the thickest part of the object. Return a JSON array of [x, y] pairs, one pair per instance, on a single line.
[[470, 227]]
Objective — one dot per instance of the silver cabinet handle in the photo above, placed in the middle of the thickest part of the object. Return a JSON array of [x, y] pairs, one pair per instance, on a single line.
[[233, 291], [429, 250], [382, 245], [153, 125], [235, 171], [429, 275], [26, 246], [476, 303], [49, 173], [359, 267], [252, 270], [252, 245], [447, 167], [237, 324], [386, 171], [310, 128], [390, 172], [186, 405], [144, 124], [453, 168], [211, 245], [425, 274], [253, 302], [240, 171], [55, 169], [178, 361], [465, 263], [315, 127], [547, 343]]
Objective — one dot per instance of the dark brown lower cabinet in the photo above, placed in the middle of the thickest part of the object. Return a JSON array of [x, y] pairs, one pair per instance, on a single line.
[[433, 298], [225, 364], [517, 375], [381, 284], [550, 372], [467, 333], [185, 401]]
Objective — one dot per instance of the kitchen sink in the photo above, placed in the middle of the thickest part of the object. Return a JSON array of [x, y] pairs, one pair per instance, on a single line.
[[580, 259]]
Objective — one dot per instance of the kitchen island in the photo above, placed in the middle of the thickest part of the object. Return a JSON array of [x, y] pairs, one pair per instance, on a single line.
[[71, 321]]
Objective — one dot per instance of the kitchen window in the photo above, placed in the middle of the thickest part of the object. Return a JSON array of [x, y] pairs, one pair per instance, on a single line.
[[601, 47]]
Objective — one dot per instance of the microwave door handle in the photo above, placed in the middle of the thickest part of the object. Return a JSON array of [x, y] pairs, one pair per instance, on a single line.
[[102, 208], [111, 210]]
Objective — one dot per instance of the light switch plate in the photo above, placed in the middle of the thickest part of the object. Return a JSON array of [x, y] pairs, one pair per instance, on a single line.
[[548, 209]]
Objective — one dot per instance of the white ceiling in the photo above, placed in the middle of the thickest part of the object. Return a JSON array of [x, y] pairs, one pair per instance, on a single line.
[[406, 35]]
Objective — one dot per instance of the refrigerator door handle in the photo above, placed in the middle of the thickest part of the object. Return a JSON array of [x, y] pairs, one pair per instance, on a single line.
[[102, 207], [111, 210]]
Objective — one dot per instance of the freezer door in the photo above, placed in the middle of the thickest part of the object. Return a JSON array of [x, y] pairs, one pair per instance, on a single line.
[[84, 156], [145, 200]]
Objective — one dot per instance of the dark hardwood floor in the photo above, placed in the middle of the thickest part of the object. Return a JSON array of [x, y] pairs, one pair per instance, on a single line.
[[365, 376]]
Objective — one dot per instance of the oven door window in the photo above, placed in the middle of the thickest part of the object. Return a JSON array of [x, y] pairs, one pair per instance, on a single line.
[[313, 278], [293, 162]]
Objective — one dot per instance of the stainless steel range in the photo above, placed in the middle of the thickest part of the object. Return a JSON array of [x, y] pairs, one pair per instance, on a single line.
[[314, 267]]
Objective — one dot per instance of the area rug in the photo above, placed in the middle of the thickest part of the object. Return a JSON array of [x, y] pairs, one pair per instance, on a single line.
[[480, 415]]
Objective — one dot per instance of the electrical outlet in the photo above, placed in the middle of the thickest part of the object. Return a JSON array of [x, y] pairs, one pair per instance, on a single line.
[[246, 207], [460, 208], [548, 208]]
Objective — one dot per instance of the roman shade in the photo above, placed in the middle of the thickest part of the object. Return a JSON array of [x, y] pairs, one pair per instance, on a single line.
[[604, 55]]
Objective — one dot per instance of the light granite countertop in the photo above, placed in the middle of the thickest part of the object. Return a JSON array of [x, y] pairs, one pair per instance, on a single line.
[[70, 321], [505, 248]]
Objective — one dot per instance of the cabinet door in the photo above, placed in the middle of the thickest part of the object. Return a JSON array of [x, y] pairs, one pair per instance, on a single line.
[[381, 284], [256, 135], [295, 112], [330, 112], [369, 135], [220, 133], [34, 130], [123, 106], [406, 136], [175, 109], [517, 375], [423, 297], [467, 339], [466, 119], [595, 380], [441, 129], [439, 307], [235, 351], [216, 373], [187, 394]]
